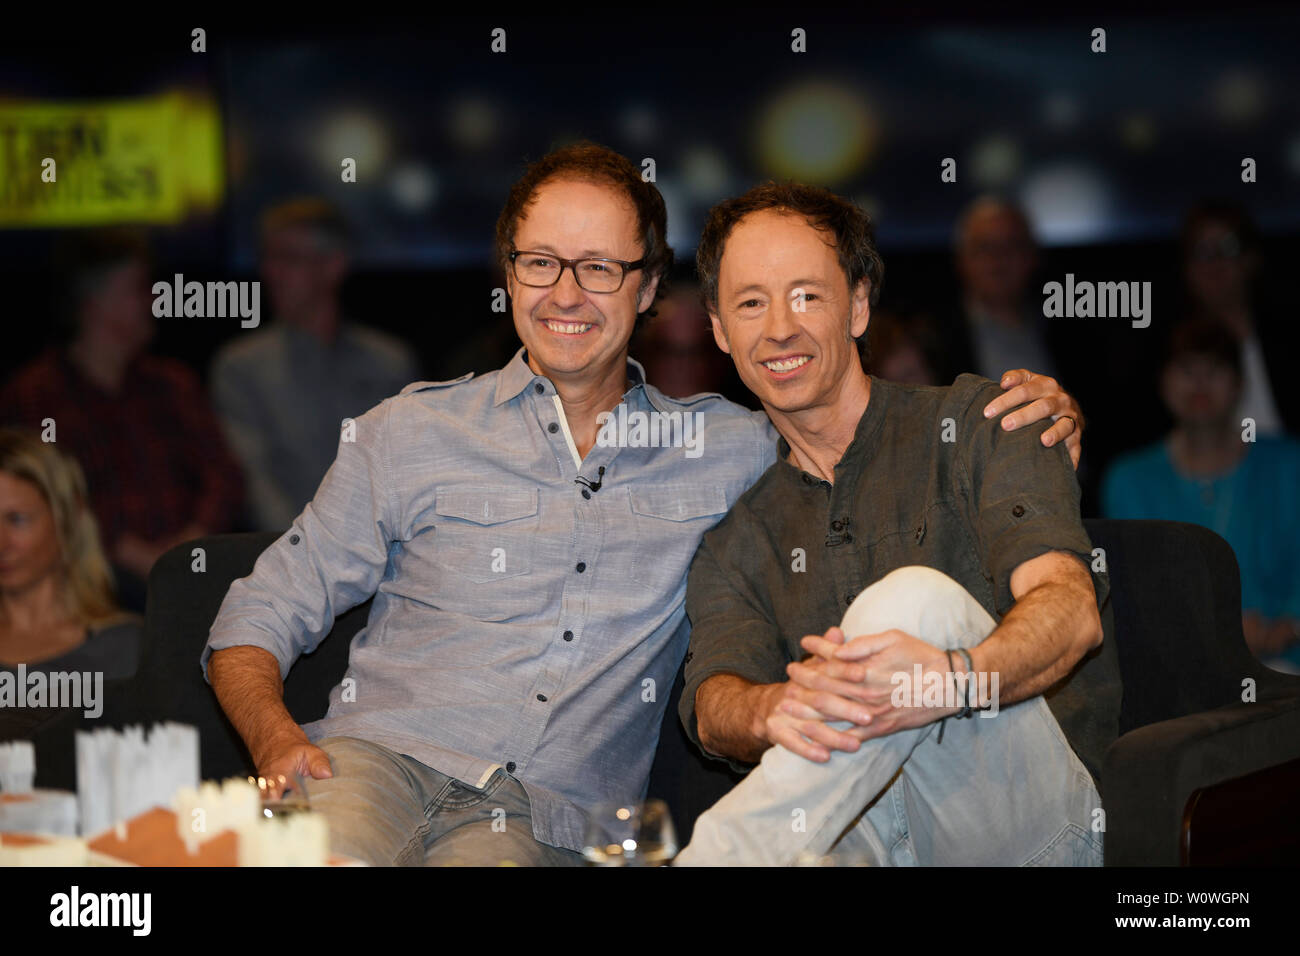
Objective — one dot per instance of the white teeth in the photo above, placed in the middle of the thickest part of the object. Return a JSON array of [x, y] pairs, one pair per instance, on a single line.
[[786, 365], [567, 328]]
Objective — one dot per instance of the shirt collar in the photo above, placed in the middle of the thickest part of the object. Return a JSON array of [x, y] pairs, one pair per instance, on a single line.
[[860, 448], [517, 375]]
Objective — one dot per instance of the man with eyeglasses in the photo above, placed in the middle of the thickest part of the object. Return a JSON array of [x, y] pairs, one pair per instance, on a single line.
[[528, 581]]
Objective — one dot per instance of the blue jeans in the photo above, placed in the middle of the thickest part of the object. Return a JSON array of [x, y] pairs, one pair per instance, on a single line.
[[388, 809], [1002, 790]]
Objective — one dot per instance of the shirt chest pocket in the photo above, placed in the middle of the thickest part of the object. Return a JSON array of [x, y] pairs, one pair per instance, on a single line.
[[485, 533], [669, 521]]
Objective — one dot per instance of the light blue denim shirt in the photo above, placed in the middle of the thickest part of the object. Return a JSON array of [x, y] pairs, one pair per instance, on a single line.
[[517, 621]]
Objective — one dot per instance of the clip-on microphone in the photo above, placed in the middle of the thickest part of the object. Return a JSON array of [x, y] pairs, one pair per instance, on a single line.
[[592, 485]]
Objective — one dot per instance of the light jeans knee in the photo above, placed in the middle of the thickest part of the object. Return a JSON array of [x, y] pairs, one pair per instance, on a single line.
[[1000, 790], [388, 809]]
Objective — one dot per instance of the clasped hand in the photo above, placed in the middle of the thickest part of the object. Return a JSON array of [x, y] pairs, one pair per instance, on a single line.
[[849, 681]]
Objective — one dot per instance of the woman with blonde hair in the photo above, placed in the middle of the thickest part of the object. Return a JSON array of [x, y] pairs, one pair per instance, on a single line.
[[57, 606]]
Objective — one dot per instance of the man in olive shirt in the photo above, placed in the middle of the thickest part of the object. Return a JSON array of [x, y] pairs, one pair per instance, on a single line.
[[968, 542]]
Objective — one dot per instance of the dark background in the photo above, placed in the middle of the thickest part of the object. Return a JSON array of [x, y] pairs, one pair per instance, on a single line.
[[1107, 151]]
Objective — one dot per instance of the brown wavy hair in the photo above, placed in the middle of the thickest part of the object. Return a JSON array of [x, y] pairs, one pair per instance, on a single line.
[[592, 163], [850, 228], [86, 581]]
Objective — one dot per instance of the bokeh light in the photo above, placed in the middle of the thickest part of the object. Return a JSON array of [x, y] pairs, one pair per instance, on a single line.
[[818, 132], [1067, 203], [357, 135]]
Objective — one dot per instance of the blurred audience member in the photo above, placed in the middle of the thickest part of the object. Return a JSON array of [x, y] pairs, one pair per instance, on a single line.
[[283, 392], [900, 348], [158, 469], [1205, 473], [677, 348], [1220, 251], [57, 610], [999, 321]]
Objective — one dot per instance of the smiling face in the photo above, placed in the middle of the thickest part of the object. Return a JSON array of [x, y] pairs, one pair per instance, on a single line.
[[571, 333], [786, 314]]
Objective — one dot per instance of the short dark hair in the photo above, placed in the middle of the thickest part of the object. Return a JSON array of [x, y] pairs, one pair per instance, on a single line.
[[1204, 337], [854, 235], [84, 259], [590, 162]]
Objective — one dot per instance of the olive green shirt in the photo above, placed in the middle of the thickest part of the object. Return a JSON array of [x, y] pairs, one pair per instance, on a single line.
[[927, 480]]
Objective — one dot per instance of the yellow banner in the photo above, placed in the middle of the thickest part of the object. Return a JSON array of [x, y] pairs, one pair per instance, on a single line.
[[149, 160]]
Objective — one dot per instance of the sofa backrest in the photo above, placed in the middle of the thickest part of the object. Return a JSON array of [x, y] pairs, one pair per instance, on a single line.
[[1173, 634], [183, 603], [1176, 595]]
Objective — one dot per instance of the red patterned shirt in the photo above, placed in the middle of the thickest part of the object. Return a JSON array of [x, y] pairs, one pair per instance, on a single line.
[[153, 454]]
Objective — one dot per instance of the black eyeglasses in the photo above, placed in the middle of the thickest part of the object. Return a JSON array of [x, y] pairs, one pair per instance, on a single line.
[[541, 269]]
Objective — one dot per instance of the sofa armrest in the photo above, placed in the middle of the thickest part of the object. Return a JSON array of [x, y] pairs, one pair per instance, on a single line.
[[1151, 772]]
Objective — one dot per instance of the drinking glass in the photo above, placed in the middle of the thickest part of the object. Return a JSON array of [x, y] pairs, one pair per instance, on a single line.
[[630, 834], [293, 796]]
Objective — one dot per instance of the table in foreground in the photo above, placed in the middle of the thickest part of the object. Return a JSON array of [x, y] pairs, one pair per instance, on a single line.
[[151, 839]]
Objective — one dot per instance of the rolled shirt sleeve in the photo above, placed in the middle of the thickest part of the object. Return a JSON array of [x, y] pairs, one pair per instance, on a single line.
[[1024, 498], [730, 634], [331, 559]]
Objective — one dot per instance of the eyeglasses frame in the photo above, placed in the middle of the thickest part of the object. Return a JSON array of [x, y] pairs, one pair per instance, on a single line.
[[573, 264]]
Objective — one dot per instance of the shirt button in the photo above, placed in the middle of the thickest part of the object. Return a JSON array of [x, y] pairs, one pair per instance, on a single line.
[[586, 494], [1018, 511], [542, 698], [510, 767], [582, 566], [837, 525], [552, 428], [568, 635], [539, 388], [294, 539]]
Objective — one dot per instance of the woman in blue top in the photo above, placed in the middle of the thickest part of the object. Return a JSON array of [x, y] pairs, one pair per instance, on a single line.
[[1212, 470]]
